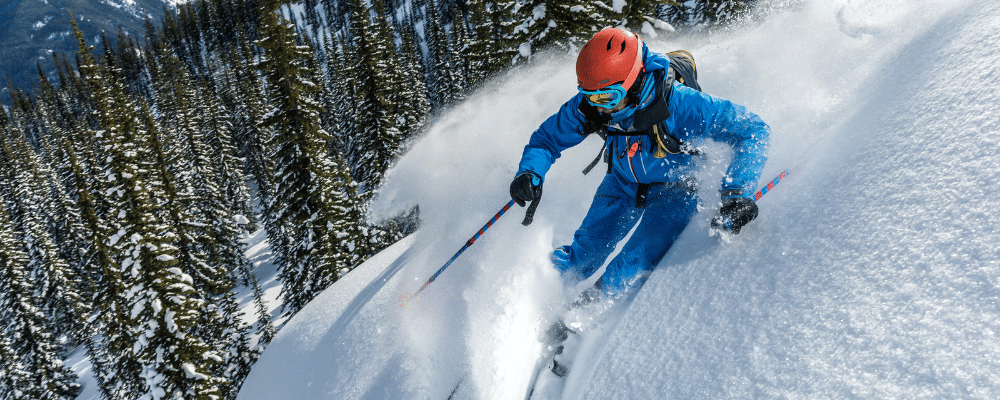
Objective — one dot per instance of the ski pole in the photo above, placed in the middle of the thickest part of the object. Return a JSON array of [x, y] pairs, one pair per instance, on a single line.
[[467, 244], [722, 223], [770, 185]]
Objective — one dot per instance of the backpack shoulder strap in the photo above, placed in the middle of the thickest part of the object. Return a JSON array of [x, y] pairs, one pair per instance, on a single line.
[[684, 69]]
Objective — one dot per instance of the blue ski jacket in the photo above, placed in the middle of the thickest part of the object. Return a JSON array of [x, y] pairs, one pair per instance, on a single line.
[[694, 117]]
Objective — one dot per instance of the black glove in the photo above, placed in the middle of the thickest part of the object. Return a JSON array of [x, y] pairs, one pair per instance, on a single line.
[[735, 213], [526, 187]]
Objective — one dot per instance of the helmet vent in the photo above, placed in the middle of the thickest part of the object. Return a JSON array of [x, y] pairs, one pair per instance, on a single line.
[[612, 40], [623, 47]]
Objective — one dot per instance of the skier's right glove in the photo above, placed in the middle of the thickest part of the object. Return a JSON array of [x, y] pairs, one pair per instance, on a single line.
[[735, 213], [526, 187]]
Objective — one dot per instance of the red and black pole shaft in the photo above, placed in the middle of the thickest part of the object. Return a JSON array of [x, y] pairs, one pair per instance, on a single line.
[[467, 244]]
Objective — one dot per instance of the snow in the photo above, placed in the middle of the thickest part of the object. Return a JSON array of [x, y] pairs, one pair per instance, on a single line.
[[618, 5], [524, 50], [41, 24], [648, 31], [871, 271]]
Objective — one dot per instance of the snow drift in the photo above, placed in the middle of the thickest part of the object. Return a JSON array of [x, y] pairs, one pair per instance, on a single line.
[[872, 271]]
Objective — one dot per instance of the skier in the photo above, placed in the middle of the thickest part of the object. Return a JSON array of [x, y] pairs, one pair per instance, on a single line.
[[649, 109]]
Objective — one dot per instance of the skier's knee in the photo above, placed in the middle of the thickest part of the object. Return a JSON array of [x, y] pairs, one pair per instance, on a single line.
[[617, 287]]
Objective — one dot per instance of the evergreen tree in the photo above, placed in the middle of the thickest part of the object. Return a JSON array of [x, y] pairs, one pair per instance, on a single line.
[[334, 12], [310, 196], [14, 378], [234, 196], [65, 224], [563, 24], [379, 104], [55, 283], [219, 320], [719, 11], [442, 76], [253, 135], [104, 285], [486, 53], [343, 76], [458, 45], [161, 305], [312, 16], [25, 334], [415, 98], [264, 328]]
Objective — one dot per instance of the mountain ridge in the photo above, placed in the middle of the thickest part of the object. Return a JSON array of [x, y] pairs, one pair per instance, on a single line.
[[32, 30]]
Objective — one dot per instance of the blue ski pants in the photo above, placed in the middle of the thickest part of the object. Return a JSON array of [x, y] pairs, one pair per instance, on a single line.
[[612, 215]]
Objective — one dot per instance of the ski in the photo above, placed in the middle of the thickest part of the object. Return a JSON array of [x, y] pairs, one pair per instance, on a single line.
[[455, 389], [547, 368]]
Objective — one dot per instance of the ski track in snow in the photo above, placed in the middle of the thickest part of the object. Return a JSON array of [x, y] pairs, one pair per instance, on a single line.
[[872, 271]]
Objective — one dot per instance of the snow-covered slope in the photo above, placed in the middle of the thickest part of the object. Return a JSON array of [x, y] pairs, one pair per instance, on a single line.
[[872, 271]]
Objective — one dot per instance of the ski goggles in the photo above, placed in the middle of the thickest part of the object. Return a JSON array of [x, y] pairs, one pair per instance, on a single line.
[[606, 97]]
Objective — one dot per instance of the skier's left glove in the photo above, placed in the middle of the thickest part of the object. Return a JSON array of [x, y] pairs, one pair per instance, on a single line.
[[735, 213]]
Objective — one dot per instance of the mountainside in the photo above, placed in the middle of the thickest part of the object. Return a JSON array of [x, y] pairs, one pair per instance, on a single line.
[[870, 273], [30, 30]]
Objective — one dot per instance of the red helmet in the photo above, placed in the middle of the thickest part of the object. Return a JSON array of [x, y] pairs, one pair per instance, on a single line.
[[613, 55]]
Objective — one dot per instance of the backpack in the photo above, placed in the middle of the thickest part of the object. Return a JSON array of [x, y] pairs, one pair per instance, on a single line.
[[650, 120]]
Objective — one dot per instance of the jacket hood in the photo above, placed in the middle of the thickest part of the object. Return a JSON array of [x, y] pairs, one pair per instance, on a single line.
[[652, 60]]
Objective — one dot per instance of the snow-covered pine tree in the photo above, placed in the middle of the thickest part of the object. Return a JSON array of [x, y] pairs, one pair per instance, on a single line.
[[334, 11], [248, 132], [312, 16], [66, 225], [160, 304], [486, 53], [233, 190], [334, 94], [642, 17], [182, 165], [407, 102], [309, 196], [131, 61], [14, 377], [417, 105], [264, 328], [193, 39], [208, 24], [342, 71], [719, 11], [24, 331], [104, 285], [446, 85], [253, 135], [380, 90], [55, 283], [219, 321], [563, 24], [458, 45]]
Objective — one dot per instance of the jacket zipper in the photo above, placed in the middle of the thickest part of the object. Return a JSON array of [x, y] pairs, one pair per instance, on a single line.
[[629, 152]]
